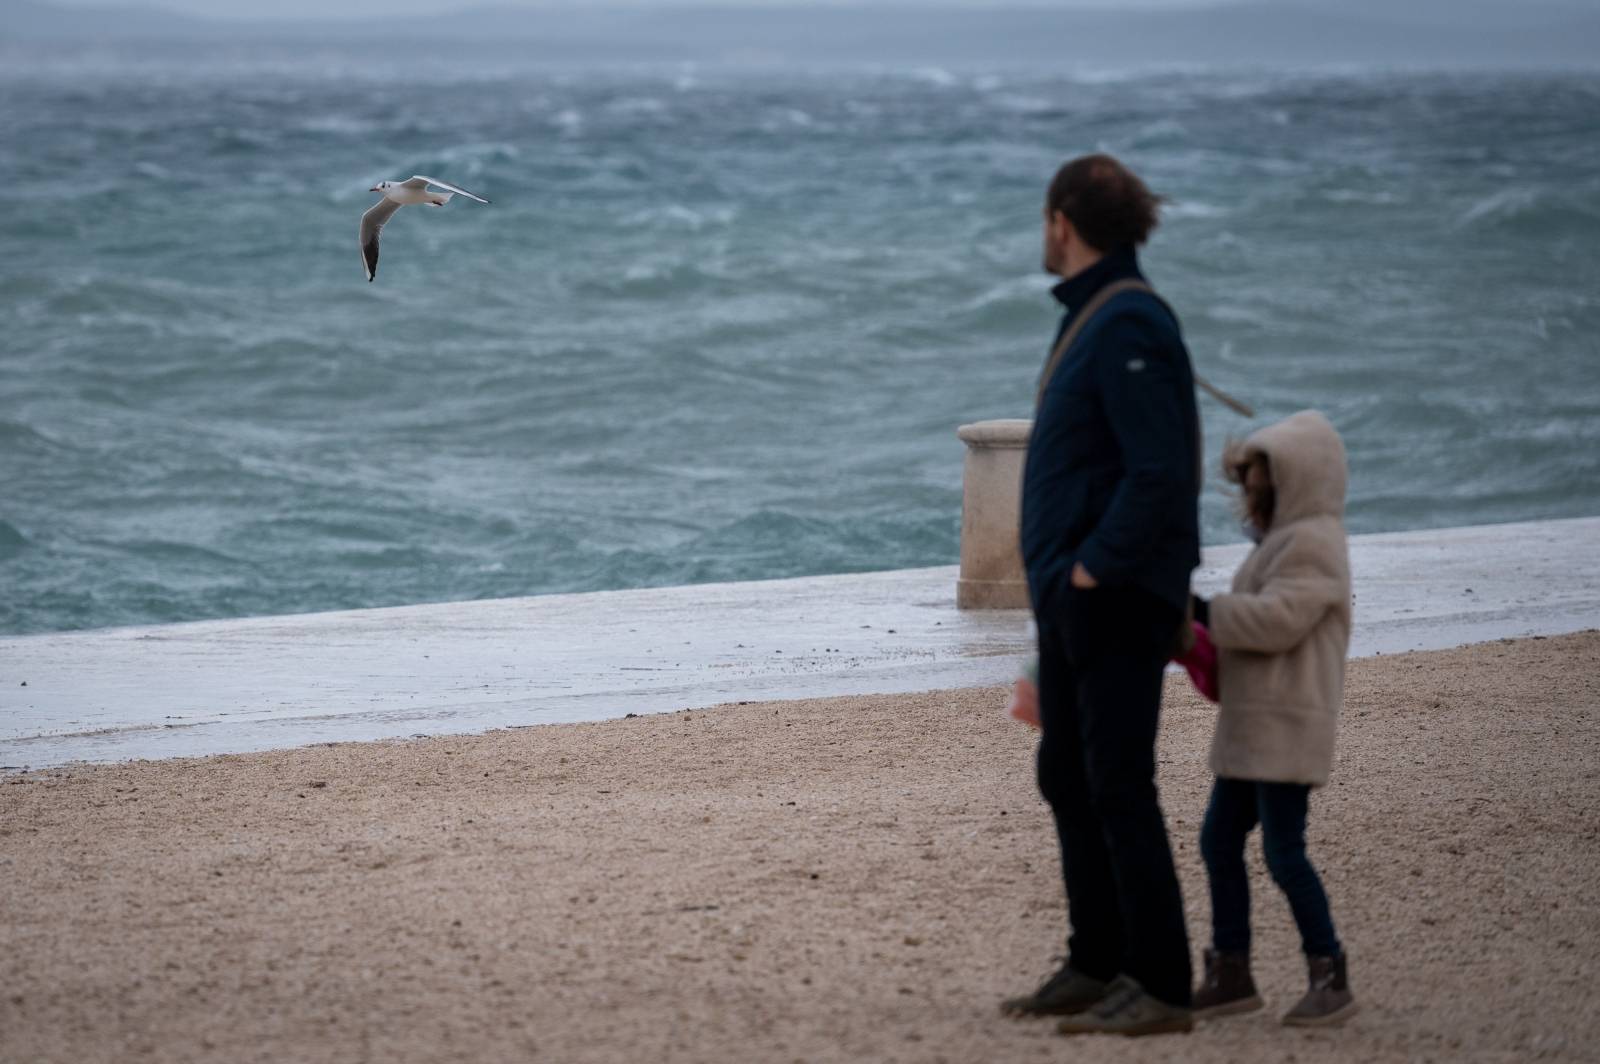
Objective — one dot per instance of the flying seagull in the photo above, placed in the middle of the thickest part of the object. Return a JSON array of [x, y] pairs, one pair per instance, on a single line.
[[397, 194]]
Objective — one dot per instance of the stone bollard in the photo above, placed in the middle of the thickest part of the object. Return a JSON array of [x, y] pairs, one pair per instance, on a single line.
[[991, 516]]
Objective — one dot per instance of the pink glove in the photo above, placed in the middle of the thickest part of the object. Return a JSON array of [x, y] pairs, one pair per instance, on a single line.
[[1201, 663]]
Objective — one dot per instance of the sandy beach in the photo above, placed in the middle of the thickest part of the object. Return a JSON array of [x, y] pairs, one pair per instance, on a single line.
[[855, 879]]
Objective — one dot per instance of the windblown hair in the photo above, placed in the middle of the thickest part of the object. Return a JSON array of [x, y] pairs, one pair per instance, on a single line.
[[1105, 202], [1256, 503]]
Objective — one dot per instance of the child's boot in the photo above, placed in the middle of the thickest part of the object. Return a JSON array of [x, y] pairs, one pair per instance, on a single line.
[[1328, 1001], [1227, 988]]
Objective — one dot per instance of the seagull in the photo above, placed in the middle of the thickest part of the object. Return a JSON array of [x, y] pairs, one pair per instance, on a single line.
[[397, 194]]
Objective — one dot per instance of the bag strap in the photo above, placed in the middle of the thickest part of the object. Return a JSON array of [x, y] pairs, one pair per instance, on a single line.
[[1101, 298], [1093, 307], [1242, 409]]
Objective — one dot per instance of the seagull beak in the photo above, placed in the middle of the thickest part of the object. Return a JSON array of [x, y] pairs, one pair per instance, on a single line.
[[374, 188]]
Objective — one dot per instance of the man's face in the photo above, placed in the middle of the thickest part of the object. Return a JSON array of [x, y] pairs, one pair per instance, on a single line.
[[1056, 232]]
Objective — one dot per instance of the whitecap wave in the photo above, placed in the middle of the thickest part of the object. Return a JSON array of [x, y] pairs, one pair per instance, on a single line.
[[678, 216], [936, 76], [637, 106], [1525, 203], [1184, 209], [1029, 290], [337, 125], [1022, 104], [1367, 197]]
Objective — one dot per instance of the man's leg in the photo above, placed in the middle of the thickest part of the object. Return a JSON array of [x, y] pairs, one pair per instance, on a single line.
[[1094, 946], [1118, 646]]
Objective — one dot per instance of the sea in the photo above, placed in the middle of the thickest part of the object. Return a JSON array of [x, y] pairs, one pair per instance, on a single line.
[[721, 323]]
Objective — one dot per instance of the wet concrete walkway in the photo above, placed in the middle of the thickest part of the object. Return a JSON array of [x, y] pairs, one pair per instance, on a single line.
[[233, 686]]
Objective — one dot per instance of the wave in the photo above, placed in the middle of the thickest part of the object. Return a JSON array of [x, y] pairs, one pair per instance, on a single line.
[[721, 354], [652, 279], [1028, 295], [1528, 206], [233, 140], [12, 541], [677, 216], [19, 440], [170, 551], [1023, 104], [1186, 209], [1160, 133], [638, 106], [1505, 205], [936, 76], [788, 118], [1362, 197], [339, 125], [781, 543]]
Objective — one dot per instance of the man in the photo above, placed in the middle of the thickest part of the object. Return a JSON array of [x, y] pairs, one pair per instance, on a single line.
[[1110, 533]]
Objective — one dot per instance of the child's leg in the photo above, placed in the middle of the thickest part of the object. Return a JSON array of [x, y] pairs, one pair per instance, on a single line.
[[1282, 808], [1229, 819]]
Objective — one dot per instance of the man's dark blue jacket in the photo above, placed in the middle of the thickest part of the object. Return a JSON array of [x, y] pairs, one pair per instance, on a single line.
[[1112, 475]]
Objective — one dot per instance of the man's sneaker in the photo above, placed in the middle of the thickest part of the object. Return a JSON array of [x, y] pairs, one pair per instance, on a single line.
[[1329, 1000], [1065, 993], [1128, 1010], [1227, 989]]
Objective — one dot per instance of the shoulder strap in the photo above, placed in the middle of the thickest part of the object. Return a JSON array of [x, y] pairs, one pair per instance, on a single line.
[[1101, 298], [1093, 307]]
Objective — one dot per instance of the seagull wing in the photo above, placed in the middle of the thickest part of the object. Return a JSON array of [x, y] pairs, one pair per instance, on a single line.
[[444, 185], [371, 226]]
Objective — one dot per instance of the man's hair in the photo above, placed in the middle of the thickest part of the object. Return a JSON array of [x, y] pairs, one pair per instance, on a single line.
[[1105, 202]]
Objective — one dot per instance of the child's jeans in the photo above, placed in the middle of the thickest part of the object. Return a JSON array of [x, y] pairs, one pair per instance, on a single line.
[[1280, 808]]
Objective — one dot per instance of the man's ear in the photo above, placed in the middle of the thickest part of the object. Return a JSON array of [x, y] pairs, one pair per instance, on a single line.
[[1061, 230]]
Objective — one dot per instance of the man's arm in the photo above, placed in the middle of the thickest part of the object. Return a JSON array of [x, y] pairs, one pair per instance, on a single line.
[[1143, 390]]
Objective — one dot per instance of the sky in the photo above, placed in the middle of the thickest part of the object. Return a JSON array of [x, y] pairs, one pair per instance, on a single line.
[[344, 9], [365, 8]]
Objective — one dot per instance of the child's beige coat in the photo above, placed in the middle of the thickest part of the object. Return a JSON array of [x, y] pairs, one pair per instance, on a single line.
[[1283, 634]]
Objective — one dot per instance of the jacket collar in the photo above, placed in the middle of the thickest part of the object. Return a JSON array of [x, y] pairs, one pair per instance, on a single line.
[[1078, 289]]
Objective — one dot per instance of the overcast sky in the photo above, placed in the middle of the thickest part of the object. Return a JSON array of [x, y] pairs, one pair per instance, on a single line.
[[360, 8], [258, 9], [363, 8]]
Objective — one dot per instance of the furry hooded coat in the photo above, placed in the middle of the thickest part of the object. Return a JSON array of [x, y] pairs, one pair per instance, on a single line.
[[1283, 633]]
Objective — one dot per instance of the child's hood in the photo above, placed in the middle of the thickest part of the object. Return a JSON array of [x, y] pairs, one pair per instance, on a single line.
[[1308, 466]]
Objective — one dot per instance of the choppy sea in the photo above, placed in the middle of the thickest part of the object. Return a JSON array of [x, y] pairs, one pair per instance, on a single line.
[[722, 324]]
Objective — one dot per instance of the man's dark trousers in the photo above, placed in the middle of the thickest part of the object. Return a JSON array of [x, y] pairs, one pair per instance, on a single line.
[[1102, 655]]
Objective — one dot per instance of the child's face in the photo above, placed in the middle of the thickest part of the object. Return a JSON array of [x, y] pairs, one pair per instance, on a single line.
[[1258, 493]]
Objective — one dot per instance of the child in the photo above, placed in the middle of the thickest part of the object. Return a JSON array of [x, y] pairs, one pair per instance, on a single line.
[[1281, 640]]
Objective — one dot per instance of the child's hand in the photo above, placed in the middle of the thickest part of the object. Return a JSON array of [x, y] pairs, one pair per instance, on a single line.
[[1025, 702], [1081, 578]]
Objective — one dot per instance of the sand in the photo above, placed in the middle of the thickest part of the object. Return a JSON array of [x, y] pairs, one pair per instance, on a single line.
[[855, 879]]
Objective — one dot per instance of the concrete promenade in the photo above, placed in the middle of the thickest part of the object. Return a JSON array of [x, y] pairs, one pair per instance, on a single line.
[[264, 683]]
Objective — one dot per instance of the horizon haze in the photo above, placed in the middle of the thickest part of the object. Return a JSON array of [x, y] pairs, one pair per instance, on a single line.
[[1256, 33]]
